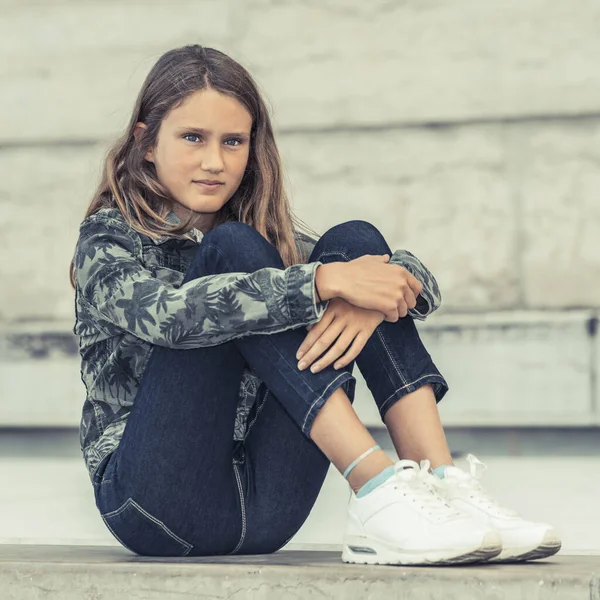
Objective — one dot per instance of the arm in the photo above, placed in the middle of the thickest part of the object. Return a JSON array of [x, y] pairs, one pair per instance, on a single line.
[[428, 301], [207, 311], [430, 298]]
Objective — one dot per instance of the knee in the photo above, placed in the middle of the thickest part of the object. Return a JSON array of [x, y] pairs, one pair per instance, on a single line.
[[358, 235], [231, 232], [244, 245], [357, 229]]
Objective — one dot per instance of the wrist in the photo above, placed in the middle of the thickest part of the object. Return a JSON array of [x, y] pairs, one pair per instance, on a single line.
[[318, 295], [325, 281]]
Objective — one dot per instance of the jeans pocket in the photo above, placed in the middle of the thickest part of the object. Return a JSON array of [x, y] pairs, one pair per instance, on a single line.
[[140, 532]]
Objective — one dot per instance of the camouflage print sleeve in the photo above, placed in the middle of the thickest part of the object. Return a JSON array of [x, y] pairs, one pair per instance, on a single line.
[[207, 311], [428, 301], [430, 297]]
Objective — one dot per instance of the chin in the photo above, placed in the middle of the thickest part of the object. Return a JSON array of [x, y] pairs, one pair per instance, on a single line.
[[206, 205]]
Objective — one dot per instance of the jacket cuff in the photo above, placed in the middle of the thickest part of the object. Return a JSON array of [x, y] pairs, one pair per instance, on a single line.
[[430, 298], [303, 303]]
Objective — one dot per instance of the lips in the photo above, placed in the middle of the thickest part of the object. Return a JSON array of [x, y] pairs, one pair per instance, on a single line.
[[209, 182]]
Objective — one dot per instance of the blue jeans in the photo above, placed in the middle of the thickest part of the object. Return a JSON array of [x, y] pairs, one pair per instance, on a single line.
[[178, 484]]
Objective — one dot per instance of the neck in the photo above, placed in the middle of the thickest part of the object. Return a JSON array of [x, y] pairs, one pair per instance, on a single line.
[[202, 221]]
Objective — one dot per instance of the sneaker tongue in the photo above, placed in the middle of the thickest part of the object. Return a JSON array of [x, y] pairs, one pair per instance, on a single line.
[[457, 476]]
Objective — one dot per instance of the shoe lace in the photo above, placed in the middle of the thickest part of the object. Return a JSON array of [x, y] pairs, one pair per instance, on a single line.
[[416, 481], [470, 482]]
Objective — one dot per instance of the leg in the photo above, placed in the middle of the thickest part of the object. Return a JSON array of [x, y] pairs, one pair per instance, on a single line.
[[284, 462], [399, 520], [174, 460], [406, 386], [416, 430], [405, 383], [336, 429], [179, 433]]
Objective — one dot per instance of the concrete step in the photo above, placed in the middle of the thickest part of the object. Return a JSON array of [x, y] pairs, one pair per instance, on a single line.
[[76, 572]]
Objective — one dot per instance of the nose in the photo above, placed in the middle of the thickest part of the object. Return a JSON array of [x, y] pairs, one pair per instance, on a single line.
[[212, 158]]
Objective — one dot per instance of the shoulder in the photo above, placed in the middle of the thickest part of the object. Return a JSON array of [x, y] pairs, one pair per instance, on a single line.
[[107, 217], [107, 227]]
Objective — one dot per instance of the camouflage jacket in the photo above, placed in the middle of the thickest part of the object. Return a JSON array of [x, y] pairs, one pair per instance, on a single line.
[[129, 297]]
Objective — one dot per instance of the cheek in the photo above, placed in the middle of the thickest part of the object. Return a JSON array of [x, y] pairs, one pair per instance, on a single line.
[[173, 167], [240, 167]]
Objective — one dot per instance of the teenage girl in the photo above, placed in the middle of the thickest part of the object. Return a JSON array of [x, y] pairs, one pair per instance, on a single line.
[[196, 295]]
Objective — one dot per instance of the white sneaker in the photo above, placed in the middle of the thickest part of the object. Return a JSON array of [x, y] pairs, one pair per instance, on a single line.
[[521, 540], [404, 521]]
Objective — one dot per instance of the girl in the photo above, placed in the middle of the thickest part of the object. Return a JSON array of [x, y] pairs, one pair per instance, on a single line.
[[194, 290]]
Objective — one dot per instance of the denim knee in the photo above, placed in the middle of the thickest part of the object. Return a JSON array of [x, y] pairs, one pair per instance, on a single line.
[[351, 239], [242, 246]]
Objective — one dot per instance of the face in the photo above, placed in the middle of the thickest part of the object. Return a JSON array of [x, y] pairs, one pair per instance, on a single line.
[[206, 138]]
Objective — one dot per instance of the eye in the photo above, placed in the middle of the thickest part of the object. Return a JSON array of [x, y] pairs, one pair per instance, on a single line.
[[187, 136]]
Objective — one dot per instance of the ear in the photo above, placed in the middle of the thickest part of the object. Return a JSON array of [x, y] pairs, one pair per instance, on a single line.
[[137, 131]]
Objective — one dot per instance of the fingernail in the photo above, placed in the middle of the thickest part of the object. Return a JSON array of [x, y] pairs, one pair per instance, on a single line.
[[301, 365], [314, 369], [299, 355]]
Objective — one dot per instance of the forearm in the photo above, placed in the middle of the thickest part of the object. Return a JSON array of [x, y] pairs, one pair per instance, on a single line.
[[327, 280]]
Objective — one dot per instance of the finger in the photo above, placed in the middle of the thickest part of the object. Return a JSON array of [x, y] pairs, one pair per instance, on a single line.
[[393, 316], [355, 349], [316, 330], [415, 285], [410, 299], [321, 344], [344, 340], [402, 309]]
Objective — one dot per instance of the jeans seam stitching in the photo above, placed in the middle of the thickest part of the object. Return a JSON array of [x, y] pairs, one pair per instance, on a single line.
[[332, 254], [243, 506], [290, 365], [392, 359], [162, 526], [131, 502], [390, 397], [321, 396], [257, 413], [116, 536], [117, 511]]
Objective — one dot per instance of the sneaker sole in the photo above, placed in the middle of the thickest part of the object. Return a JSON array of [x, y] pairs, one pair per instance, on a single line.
[[362, 550], [550, 545]]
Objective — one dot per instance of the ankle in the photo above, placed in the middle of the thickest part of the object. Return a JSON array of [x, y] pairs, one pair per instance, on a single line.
[[367, 468]]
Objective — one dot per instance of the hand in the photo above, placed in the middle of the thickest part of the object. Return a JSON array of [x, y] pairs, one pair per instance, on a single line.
[[368, 282], [351, 325]]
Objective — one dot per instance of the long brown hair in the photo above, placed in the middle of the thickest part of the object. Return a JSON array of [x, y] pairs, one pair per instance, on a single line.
[[129, 182]]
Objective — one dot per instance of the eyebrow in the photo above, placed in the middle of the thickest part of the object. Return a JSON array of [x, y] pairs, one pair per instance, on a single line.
[[204, 131]]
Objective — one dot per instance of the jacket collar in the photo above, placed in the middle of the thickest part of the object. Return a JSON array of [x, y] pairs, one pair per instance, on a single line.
[[173, 218]]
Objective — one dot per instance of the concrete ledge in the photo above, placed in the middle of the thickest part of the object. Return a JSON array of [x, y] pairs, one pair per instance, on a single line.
[[73, 573], [505, 369]]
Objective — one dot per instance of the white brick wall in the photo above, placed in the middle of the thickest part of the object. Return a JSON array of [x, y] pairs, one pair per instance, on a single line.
[[499, 199], [342, 62], [76, 66]]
